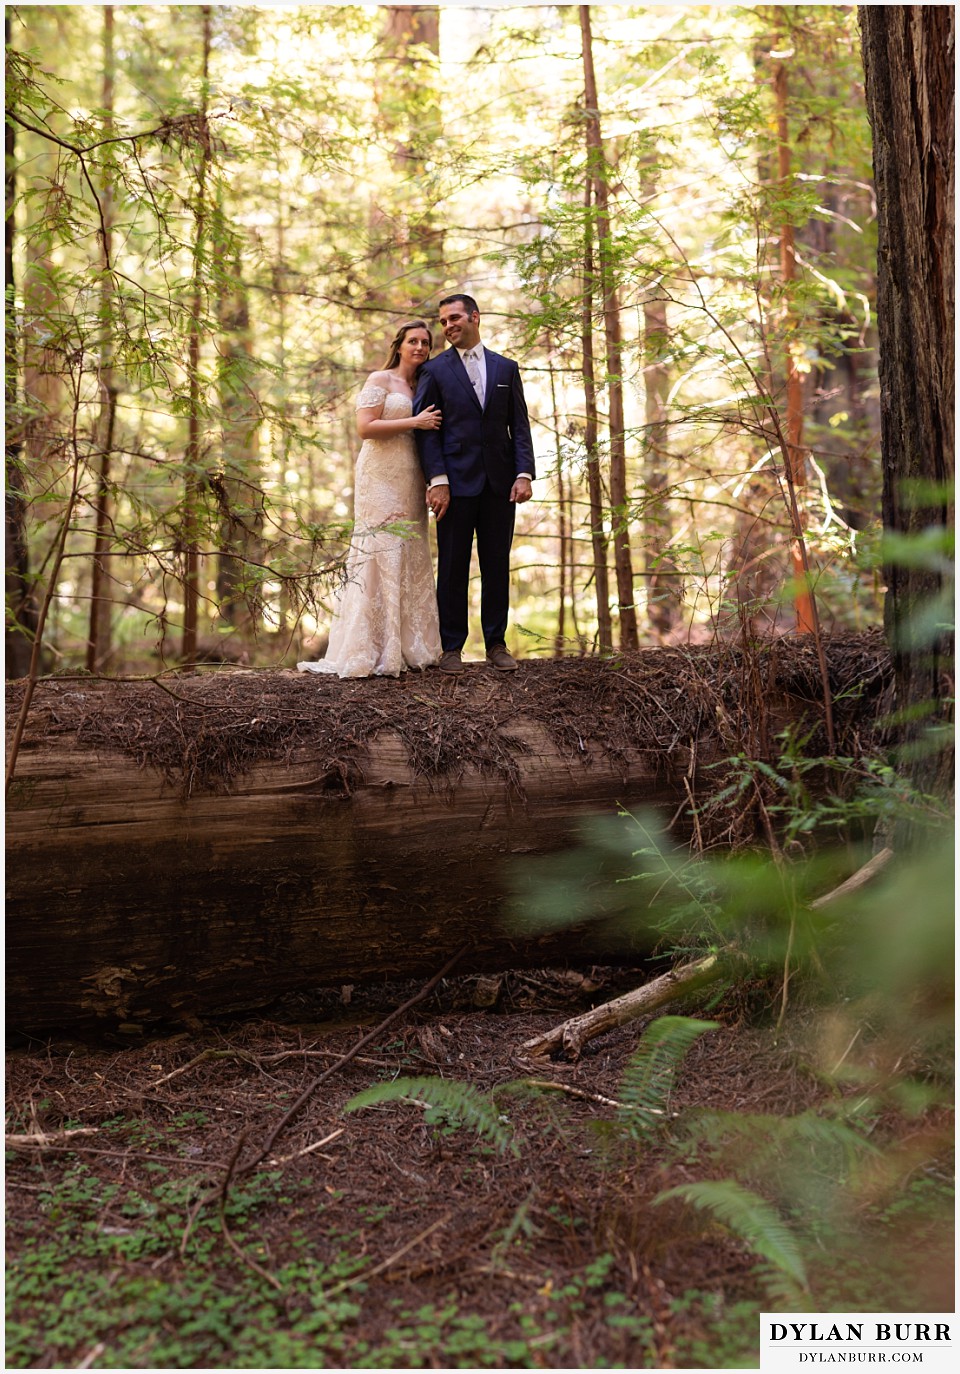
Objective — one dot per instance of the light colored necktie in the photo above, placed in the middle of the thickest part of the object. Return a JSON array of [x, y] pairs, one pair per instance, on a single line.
[[472, 365]]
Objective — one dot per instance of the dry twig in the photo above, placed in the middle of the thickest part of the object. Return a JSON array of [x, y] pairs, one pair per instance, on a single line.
[[392, 1259]]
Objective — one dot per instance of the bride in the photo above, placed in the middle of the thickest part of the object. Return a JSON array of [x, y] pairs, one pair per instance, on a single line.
[[386, 619]]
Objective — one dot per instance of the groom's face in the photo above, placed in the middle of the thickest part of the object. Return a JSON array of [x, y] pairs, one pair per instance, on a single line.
[[459, 328]]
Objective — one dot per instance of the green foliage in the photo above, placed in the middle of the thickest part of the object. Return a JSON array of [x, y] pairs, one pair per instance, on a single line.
[[100, 1270], [450, 1106], [756, 1223], [649, 1076], [870, 976], [285, 210]]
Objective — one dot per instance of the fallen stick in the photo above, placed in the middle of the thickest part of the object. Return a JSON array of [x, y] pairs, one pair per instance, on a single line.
[[862, 875], [572, 1035], [317, 1144], [546, 1086], [42, 1139], [366, 1274], [345, 1059]]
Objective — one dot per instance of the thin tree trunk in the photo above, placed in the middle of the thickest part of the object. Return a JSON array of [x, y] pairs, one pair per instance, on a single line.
[[591, 431], [99, 639], [193, 483], [622, 560], [33, 669], [561, 635], [240, 514], [23, 623], [663, 600], [794, 384]]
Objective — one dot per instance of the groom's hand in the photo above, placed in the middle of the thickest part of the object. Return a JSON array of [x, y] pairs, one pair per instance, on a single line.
[[438, 499], [521, 490]]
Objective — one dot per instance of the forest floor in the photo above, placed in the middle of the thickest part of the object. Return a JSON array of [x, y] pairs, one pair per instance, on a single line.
[[391, 1237]]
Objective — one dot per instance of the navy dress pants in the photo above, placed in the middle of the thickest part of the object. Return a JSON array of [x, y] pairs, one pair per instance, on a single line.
[[490, 518]]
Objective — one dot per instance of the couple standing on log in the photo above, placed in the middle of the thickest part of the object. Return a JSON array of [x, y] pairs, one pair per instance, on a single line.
[[474, 457]]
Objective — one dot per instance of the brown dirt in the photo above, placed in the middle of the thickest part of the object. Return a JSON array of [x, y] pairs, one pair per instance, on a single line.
[[570, 1195]]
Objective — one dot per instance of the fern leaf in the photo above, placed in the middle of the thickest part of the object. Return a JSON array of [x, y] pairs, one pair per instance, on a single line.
[[649, 1076], [810, 1142], [459, 1103], [750, 1217]]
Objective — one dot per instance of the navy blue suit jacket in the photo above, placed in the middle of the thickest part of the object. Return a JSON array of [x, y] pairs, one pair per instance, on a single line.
[[473, 445]]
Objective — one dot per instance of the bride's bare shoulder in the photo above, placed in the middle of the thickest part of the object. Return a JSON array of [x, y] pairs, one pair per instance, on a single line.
[[374, 391]]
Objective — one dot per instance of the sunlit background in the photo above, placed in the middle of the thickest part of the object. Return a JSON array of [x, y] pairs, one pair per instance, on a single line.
[[339, 169]]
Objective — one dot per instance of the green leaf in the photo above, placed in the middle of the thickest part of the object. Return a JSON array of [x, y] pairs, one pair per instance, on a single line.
[[461, 1104], [748, 1216], [651, 1071]]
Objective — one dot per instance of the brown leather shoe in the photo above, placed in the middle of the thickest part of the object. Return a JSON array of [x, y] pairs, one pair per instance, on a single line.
[[450, 661], [498, 657]]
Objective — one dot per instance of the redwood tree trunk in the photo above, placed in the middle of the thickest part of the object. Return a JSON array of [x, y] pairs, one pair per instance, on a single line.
[[205, 843], [908, 53], [406, 260], [193, 481], [663, 581]]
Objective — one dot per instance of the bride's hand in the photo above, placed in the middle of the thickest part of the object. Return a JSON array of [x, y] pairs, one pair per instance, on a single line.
[[428, 419]]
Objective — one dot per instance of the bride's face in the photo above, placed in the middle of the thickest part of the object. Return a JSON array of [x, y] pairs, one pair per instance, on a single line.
[[415, 347]]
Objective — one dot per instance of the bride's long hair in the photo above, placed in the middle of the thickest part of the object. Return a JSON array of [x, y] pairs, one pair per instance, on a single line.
[[399, 337]]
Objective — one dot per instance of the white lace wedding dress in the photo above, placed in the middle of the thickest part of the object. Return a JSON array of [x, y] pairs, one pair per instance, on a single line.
[[386, 619]]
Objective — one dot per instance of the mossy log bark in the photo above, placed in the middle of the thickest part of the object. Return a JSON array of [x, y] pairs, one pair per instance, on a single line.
[[208, 843]]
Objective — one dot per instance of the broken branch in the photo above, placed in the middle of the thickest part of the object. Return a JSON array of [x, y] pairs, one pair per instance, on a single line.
[[572, 1035]]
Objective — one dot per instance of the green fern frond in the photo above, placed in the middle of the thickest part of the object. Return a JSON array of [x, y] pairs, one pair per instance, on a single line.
[[823, 1144], [824, 1134], [750, 1217], [458, 1104], [783, 1294], [649, 1076]]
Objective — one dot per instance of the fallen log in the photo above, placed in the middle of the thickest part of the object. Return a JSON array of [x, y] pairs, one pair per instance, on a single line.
[[203, 844]]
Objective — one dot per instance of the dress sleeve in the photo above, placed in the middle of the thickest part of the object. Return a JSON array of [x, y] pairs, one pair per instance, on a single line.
[[371, 396]]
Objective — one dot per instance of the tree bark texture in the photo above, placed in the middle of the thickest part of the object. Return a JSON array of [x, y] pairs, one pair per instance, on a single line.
[[908, 53], [23, 620], [237, 482], [663, 581], [795, 456], [128, 903], [405, 260], [193, 482]]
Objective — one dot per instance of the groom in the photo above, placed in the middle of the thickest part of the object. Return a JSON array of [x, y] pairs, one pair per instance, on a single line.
[[479, 467]]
